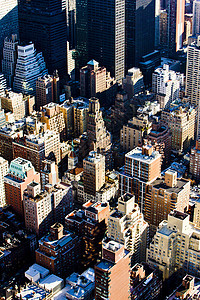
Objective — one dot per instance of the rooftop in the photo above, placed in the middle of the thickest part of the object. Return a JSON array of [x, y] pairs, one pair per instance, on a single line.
[[136, 154], [160, 184], [32, 292]]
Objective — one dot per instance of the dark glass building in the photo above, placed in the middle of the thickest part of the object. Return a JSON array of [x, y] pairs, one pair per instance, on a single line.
[[140, 30], [82, 32], [44, 23]]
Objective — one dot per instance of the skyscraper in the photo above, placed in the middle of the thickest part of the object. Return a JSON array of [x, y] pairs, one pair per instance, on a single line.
[[140, 30], [8, 20], [176, 11], [3, 172], [196, 17], [44, 23], [106, 35]]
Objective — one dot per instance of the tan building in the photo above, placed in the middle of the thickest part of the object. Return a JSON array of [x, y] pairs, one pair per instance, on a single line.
[[20, 105], [196, 219], [175, 246], [44, 91], [133, 82], [93, 172], [195, 162], [132, 134], [53, 117], [180, 119], [126, 225], [164, 195], [3, 172]]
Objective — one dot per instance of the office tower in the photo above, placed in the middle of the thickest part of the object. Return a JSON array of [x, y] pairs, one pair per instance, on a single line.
[[52, 116], [82, 32], [180, 119], [142, 166], [2, 119], [58, 252], [9, 59], [98, 136], [133, 82], [47, 29], [106, 35], [164, 195], [30, 65], [195, 162], [8, 20], [132, 134], [93, 172], [163, 29], [176, 17], [56, 87], [48, 173], [157, 23], [146, 282], [75, 113], [42, 208], [161, 139], [112, 273], [70, 62], [196, 18], [44, 91], [126, 225], [175, 246], [3, 84], [18, 104], [37, 147], [20, 174], [71, 23], [3, 172], [140, 30], [166, 84], [89, 224]]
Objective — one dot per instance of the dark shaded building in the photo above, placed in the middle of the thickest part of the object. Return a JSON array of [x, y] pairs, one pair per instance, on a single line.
[[44, 23], [140, 30]]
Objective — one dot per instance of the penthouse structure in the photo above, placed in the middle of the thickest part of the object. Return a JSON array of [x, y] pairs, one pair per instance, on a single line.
[[180, 119], [89, 224], [175, 246], [58, 252], [166, 84], [20, 174], [164, 195], [37, 147], [142, 166], [18, 104], [112, 273], [126, 225]]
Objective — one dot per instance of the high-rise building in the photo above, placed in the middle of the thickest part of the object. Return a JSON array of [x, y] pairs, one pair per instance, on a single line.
[[71, 23], [30, 65], [166, 84], [196, 18], [48, 173], [142, 166], [175, 246], [196, 219], [3, 172], [9, 59], [18, 104], [47, 29], [112, 273], [20, 174], [37, 147], [126, 225], [70, 62], [93, 172], [140, 30], [82, 31], [133, 82], [163, 28], [58, 252], [3, 84], [180, 119], [164, 195], [8, 20], [44, 91], [195, 162], [176, 18], [106, 35]]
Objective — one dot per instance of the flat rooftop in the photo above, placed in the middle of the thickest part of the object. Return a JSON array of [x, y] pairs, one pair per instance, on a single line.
[[160, 184], [178, 215], [136, 154], [32, 292]]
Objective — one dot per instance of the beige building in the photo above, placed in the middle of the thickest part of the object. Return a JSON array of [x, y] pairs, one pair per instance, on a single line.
[[176, 246], [52, 116], [93, 172], [195, 162], [3, 172], [20, 105], [196, 219], [164, 195], [180, 119], [132, 134], [133, 82], [126, 225]]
